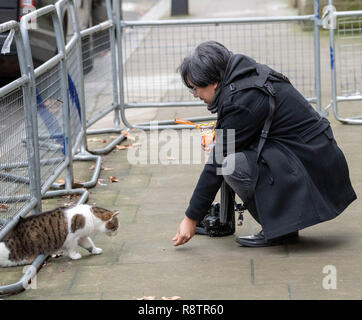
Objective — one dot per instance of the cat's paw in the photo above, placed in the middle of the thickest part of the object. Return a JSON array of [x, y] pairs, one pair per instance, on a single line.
[[75, 255], [97, 251]]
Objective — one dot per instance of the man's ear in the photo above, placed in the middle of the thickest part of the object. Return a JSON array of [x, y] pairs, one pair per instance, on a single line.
[[215, 85]]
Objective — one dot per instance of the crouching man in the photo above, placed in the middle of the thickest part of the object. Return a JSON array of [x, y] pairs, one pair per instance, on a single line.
[[287, 167]]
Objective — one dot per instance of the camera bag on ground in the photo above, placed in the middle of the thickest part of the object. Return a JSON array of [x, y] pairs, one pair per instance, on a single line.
[[220, 219]]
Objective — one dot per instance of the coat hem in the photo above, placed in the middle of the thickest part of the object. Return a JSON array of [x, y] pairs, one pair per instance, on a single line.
[[305, 224]]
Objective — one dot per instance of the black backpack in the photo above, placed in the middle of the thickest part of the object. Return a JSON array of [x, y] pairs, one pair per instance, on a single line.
[[262, 80]]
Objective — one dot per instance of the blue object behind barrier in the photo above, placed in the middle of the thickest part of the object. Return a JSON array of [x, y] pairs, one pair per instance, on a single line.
[[48, 118], [74, 95], [50, 121]]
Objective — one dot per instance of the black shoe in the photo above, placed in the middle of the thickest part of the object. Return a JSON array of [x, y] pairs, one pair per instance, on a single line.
[[259, 240]]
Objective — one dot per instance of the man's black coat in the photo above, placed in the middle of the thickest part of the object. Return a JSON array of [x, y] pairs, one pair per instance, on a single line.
[[303, 175]]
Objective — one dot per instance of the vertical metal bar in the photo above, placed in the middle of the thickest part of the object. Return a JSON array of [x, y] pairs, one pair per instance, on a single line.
[[119, 27], [112, 40], [333, 67], [31, 117], [65, 101], [76, 30], [317, 63]]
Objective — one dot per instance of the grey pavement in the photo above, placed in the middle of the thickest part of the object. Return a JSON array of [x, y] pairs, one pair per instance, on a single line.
[[136, 9], [141, 260]]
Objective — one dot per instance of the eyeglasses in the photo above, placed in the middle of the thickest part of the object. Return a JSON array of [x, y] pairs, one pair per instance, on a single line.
[[192, 90]]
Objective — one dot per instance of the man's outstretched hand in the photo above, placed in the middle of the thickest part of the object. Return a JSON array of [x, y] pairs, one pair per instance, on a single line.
[[185, 231]]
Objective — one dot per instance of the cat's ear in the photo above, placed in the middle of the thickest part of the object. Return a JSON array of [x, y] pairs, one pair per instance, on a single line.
[[115, 213]]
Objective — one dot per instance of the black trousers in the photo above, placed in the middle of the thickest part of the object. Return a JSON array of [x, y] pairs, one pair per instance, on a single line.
[[240, 175]]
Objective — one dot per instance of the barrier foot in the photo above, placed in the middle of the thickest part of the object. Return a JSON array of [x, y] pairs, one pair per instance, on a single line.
[[112, 144]]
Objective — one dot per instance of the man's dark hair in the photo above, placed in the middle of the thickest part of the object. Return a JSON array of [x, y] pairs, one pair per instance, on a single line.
[[205, 65]]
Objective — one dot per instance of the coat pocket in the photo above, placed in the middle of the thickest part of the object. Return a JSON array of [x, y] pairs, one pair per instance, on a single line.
[[278, 161]]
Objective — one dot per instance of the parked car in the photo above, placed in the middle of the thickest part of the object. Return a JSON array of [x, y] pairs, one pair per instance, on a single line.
[[41, 34]]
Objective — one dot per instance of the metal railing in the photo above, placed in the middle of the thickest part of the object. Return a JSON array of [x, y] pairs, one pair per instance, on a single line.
[[101, 82], [153, 50], [19, 191], [345, 36], [19, 182]]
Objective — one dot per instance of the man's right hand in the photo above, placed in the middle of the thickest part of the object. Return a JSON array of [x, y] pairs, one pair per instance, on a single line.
[[185, 231]]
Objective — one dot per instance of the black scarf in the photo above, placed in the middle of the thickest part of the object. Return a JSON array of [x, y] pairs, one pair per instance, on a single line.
[[214, 104]]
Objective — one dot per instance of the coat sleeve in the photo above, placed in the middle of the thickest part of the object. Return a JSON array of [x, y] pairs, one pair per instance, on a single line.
[[246, 115]]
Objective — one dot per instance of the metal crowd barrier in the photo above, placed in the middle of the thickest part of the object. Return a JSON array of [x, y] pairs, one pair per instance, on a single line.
[[100, 51], [153, 50], [52, 107], [53, 94], [345, 32], [19, 192], [39, 105], [19, 165]]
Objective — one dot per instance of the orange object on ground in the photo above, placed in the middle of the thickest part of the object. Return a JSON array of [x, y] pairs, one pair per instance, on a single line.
[[207, 130]]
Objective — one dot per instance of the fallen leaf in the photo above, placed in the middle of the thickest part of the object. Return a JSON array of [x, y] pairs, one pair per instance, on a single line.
[[147, 298], [4, 207], [102, 168], [97, 140], [113, 179], [123, 147], [127, 135], [171, 298]]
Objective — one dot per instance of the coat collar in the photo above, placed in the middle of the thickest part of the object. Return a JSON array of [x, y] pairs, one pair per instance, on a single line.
[[238, 66]]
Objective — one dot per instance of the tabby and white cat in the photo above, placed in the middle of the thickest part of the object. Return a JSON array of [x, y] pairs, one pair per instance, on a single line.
[[61, 229]]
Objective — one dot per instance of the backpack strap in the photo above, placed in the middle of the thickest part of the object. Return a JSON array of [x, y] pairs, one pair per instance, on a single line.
[[261, 80]]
